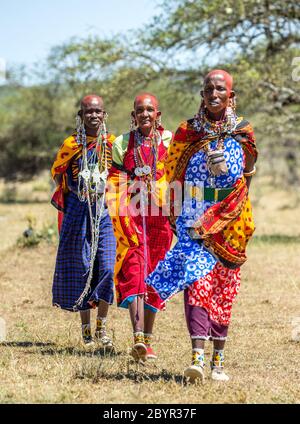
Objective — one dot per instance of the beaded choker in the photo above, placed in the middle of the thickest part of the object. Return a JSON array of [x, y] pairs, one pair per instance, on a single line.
[[215, 128]]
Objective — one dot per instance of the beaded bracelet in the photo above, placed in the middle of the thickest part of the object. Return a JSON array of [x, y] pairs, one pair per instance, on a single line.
[[250, 173]]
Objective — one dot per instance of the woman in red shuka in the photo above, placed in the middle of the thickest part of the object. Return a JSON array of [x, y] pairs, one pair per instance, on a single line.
[[142, 231]]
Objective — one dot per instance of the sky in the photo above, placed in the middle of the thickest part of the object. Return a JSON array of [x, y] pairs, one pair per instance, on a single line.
[[29, 28]]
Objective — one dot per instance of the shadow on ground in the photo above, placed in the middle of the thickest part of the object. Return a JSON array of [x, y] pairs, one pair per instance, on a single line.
[[80, 352], [140, 376], [137, 375], [27, 344], [52, 350]]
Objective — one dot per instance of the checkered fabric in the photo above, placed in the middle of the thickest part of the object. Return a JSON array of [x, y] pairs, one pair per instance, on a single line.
[[73, 256]]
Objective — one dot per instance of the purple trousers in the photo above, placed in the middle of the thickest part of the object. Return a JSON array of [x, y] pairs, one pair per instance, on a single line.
[[200, 325]]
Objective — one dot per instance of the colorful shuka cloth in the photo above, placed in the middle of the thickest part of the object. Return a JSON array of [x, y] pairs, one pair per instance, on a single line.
[[129, 275], [74, 249], [199, 266]]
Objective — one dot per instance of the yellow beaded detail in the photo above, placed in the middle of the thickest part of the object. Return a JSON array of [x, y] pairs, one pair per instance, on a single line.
[[139, 338]]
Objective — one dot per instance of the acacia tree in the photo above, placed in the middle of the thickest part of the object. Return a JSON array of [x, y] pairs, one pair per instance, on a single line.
[[259, 37], [190, 24], [257, 41], [113, 66], [36, 118]]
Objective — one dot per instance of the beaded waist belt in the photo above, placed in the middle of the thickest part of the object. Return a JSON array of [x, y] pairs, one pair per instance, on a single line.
[[210, 194]]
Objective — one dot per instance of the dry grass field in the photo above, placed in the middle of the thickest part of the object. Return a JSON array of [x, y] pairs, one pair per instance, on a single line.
[[42, 360]]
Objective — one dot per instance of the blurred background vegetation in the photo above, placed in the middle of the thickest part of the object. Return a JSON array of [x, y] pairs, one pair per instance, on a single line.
[[256, 40]]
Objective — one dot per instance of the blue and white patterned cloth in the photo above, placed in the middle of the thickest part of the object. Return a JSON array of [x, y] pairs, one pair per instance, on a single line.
[[189, 260]]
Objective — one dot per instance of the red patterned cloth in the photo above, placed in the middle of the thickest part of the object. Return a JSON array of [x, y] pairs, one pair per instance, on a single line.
[[216, 292], [131, 280], [128, 226]]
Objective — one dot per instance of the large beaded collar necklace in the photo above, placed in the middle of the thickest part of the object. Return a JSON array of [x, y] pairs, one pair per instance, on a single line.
[[216, 131], [92, 178], [142, 164], [93, 171], [227, 125]]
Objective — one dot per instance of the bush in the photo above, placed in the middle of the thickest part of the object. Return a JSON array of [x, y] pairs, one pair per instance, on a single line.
[[32, 237]]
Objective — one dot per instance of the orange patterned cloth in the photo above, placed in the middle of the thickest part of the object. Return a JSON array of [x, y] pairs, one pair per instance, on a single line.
[[67, 153]]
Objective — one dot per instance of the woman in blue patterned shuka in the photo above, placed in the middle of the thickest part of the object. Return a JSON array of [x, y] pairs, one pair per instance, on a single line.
[[83, 277], [213, 155]]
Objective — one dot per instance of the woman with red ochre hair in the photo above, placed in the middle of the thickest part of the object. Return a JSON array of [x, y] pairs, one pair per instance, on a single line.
[[142, 231], [213, 156], [83, 277]]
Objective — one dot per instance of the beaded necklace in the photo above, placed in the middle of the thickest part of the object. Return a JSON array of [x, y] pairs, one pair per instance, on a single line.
[[91, 189], [216, 131], [143, 168], [144, 172], [227, 125]]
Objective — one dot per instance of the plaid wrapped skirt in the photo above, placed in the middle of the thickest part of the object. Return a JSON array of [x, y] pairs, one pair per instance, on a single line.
[[73, 258]]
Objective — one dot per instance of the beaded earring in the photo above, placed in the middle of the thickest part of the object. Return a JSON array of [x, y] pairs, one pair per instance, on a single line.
[[132, 123], [78, 123], [231, 114], [232, 103], [80, 129], [202, 109], [103, 123], [157, 123]]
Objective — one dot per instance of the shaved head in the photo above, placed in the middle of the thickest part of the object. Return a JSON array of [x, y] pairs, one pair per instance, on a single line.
[[219, 73], [146, 112], [92, 113], [91, 99], [142, 96]]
